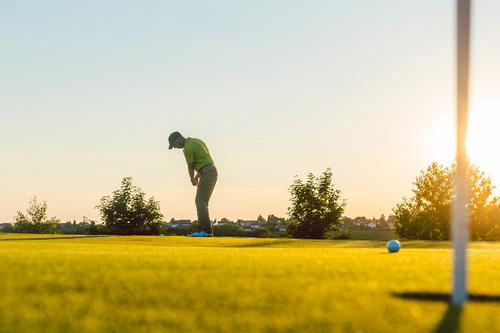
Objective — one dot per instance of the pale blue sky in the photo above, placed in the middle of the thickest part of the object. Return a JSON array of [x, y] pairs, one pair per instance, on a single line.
[[90, 90]]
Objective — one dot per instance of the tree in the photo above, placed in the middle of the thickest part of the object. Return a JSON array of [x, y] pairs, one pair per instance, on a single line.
[[484, 209], [35, 221], [427, 214], [316, 206], [127, 212], [271, 225], [382, 222]]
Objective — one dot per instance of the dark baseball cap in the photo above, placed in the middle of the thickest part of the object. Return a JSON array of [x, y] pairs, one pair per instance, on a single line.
[[172, 138]]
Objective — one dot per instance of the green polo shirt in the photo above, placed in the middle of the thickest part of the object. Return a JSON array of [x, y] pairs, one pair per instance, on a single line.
[[195, 151]]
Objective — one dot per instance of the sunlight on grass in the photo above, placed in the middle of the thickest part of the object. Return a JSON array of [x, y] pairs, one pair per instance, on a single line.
[[179, 284]]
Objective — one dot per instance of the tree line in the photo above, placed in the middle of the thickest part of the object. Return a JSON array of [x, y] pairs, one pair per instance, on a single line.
[[427, 214], [315, 212]]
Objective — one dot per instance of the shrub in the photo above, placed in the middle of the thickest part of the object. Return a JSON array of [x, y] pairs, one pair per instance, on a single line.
[[127, 212], [35, 220], [261, 232], [316, 206], [228, 230]]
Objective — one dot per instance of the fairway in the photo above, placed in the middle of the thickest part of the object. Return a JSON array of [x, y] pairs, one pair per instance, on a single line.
[[55, 283]]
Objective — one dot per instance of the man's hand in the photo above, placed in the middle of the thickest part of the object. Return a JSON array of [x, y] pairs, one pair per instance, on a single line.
[[196, 179]]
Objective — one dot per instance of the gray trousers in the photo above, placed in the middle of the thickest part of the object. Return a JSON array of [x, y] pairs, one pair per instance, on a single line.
[[208, 178]]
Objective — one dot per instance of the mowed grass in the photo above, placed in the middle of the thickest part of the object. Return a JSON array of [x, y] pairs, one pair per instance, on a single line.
[[179, 284]]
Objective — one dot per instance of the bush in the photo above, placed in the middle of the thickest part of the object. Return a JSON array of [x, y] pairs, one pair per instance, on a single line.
[[261, 232], [35, 221], [127, 212], [338, 234], [8, 229], [316, 206], [229, 230], [96, 229], [175, 231], [69, 228]]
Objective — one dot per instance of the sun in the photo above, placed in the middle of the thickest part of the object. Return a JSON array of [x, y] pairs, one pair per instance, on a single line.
[[483, 139]]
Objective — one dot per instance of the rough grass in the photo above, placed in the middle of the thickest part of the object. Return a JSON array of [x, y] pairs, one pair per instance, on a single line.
[[373, 235], [181, 284]]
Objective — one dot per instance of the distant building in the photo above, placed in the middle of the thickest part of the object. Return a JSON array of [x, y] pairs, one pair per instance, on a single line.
[[372, 225], [390, 221], [358, 220], [223, 221], [185, 224], [249, 225], [272, 218]]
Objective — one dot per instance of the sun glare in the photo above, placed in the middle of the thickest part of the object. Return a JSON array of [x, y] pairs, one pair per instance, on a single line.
[[483, 139]]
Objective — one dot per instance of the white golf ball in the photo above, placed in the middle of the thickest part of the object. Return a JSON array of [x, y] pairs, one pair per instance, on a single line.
[[393, 246]]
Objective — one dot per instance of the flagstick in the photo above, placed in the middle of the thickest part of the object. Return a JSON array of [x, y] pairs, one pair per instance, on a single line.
[[460, 216]]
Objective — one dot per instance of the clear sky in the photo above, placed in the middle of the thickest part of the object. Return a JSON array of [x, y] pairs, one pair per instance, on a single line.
[[90, 90]]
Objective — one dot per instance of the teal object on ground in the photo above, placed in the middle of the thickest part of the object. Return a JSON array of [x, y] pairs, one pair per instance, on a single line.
[[393, 246]]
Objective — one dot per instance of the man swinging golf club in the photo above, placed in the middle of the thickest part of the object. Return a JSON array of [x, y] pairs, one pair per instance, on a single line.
[[198, 159]]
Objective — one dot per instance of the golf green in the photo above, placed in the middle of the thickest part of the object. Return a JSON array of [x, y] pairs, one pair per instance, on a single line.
[[56, 283]]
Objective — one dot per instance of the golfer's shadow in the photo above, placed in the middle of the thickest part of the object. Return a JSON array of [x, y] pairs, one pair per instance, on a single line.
[[451, 319]]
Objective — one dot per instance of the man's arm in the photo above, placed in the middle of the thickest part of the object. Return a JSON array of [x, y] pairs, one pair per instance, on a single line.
[[194, 179]]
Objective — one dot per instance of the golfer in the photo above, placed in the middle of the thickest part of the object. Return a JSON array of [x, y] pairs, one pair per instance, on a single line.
[[198, 159]]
